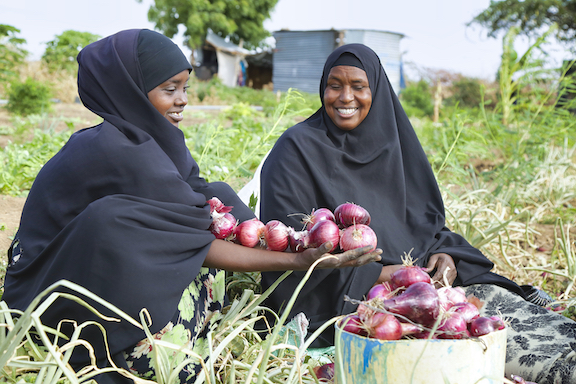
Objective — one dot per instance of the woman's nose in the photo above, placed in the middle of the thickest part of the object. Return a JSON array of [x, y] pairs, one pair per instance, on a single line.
[[347, 95], [182, 99]]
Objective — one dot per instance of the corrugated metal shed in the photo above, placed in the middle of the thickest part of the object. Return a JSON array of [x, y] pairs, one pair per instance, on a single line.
[[299, 56]]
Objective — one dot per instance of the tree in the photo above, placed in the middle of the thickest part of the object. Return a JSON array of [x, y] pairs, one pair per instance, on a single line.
[[11, 52], [529, 16], [239, 20], [61, 52]]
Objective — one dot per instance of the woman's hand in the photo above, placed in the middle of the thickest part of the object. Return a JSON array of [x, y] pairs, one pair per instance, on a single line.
[[444, 265], [353, 258]]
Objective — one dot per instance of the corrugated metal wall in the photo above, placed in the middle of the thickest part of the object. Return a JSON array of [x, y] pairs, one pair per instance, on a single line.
[[387, 47], [300, 55], [299, 58]]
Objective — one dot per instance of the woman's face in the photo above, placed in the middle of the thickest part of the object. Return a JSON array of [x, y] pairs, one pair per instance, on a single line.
[[170, 97], [347, 97]]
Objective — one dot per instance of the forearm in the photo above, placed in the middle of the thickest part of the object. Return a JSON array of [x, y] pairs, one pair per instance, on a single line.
[[386, 273], [237, 258]]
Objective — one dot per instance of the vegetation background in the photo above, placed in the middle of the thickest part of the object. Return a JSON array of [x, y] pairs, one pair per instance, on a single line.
[[503, 153]]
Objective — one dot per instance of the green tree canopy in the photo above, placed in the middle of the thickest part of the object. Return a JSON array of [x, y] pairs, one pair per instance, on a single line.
[[529, 16], [62, 51], [240, 20], [11, 52]]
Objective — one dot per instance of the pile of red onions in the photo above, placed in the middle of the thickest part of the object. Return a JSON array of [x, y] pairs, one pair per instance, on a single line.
[[347, 228], [409, 306]]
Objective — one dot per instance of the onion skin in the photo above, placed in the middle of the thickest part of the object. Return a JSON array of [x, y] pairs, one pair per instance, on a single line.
[[358, 236], [450, 296], [322, 232], [223, 226], [408, 275], [467, 310], [348, 214], [249, 233], [324, 373], [384, 326], [218, 206], [298, 240], [482, 325], [383, 290], [353, 324], [419, 303], [318, 215], [276, 236], [454, 326]]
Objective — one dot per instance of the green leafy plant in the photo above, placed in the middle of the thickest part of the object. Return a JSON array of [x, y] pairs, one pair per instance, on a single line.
[[60, 53], [12, 54], [28, 97], [416, 99]]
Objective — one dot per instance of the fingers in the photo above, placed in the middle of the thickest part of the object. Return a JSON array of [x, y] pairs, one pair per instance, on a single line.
[[358, 257]]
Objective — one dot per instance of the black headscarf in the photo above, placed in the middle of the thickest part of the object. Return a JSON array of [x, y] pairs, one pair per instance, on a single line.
[[379, 165], [120, 209]]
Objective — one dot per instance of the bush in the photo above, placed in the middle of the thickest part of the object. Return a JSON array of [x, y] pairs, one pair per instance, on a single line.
[[29, 97], [466, 92], [417, 100]]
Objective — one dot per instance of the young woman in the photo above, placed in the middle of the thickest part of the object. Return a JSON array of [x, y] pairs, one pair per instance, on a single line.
[[360, 147], [121, 210]]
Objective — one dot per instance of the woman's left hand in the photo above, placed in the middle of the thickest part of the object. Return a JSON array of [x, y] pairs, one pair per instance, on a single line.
[[443, 263]]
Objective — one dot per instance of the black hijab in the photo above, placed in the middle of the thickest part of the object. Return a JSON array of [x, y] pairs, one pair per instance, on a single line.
[[379, 165], [120, 209]]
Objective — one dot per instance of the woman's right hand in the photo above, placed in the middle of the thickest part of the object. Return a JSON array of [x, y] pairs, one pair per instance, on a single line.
[[352, 258]]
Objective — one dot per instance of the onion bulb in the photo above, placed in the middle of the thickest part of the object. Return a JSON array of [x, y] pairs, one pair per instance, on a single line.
[[276, 236], [298, 240], [419, 303], [408, 274], [322, 232], [223, 226], [348, 214], [384, 326], [249, 233], [318, 215], [358, 236]]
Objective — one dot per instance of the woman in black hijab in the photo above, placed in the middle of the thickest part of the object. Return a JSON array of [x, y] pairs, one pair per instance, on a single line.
[[360, 147], [121, 210]]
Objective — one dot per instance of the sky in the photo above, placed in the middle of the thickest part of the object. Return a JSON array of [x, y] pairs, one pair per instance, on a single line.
[[436, 35]]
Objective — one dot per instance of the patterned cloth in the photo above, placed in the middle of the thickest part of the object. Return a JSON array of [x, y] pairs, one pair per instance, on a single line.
[[541, 344], [189, 327]]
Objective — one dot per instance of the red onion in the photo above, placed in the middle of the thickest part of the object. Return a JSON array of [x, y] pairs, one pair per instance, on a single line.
[[318, 215], [322, 232], [384, 326], [249, 233], [218, 206], [358, 236], [484, 325], [276, 236], [383, 290], [410, 329], [223, 226], [353, 324], [419, 303], [408, 274], [325, 373], [467, 310], [348, 214], [298, 240], [450, 296], [454, 326]]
